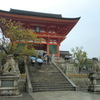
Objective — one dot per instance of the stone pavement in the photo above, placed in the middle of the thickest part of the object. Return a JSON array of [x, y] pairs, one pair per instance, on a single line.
[[65, 95], [55, 95], [24, 96]]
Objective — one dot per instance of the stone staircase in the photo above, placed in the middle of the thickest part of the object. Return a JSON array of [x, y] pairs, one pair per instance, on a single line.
[[48, 78]]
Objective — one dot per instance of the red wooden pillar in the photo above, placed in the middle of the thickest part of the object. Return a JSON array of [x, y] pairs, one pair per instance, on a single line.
[[48, 48], [58, 51]]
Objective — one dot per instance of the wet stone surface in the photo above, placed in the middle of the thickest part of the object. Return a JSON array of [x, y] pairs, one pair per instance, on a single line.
[[65, 95], [23, 96]]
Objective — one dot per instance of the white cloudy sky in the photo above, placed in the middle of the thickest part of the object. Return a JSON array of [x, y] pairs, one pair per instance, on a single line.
[[87, 31]]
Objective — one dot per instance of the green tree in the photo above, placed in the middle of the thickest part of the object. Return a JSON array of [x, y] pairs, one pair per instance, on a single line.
[[89, 64], [80, 56], [15, 40], [13, 35]]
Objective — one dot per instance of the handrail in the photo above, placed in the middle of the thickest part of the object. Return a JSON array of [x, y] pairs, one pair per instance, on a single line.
[[65, 76], [29, 85]]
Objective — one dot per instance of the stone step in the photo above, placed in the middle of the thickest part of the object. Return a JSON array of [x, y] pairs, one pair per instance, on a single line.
[[53, 89], [48, 78], [55, 86], [51, 86], [49, 73], [43, 68], [51, 83]]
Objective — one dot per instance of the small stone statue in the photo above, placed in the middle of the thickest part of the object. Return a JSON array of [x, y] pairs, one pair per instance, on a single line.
[[97, 67], [91, 77], [10, 67]]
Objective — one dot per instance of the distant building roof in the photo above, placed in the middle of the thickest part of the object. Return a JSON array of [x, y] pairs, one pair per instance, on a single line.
[[65, 53]]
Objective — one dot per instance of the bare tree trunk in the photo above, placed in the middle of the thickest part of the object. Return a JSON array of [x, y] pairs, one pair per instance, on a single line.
[[79, 69]]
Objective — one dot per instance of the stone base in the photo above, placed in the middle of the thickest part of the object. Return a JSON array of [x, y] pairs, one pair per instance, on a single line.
[[93, 88], [9, 85], [95, 82]]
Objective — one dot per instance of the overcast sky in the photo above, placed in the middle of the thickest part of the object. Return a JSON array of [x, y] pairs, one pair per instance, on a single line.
[[86, 33]]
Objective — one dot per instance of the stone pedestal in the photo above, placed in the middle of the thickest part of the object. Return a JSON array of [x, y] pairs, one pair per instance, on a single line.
[[95, 83], [9, 85]]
